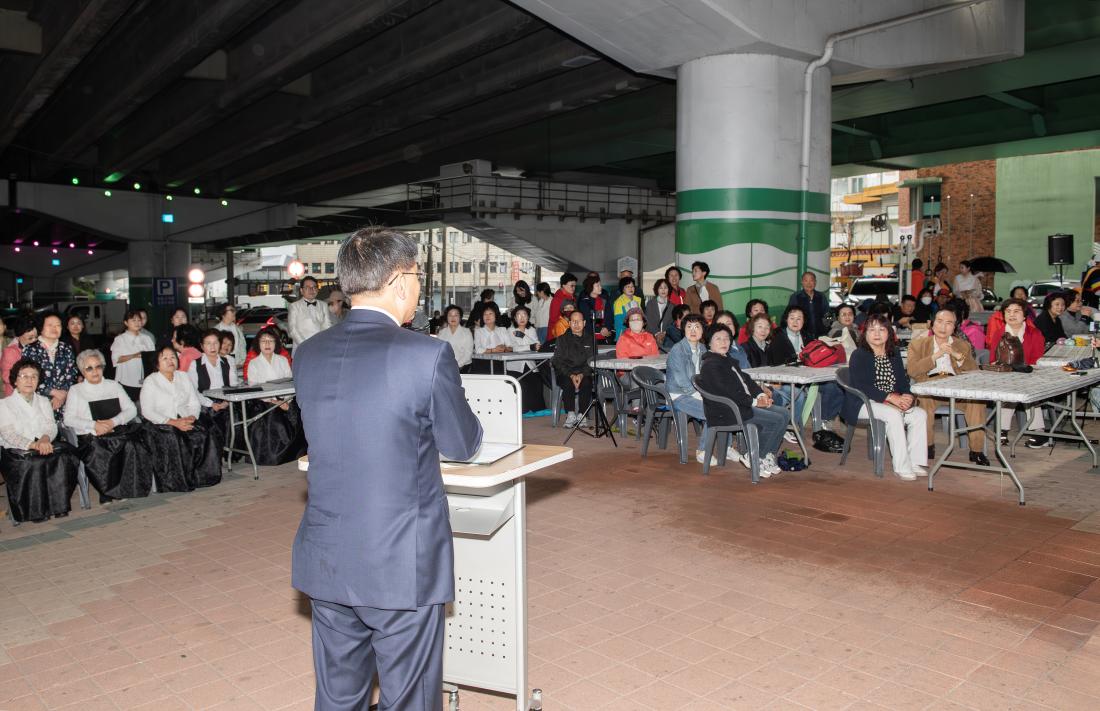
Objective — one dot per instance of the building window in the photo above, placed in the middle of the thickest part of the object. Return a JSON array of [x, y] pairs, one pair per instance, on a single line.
[[467, 267], [465, 238], [316, 268], [451, 267], [330, 268], [439, 267], [492, 267]]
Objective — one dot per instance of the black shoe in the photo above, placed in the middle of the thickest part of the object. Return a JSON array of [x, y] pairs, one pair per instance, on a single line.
[[931, 452], [826, 441], [1004, 437], [979, 459], [1039, 442]]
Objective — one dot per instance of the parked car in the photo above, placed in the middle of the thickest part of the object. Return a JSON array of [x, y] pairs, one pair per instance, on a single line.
[[1040, 289], [253, 320], [871, 287], [990, 301]]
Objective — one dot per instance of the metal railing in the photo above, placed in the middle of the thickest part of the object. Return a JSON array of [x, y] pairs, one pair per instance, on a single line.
[[494, 195]]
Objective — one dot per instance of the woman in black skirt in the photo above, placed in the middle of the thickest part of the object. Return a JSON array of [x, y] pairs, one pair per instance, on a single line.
[[40, 473], [183, 448], [276, 437], [110, 443]]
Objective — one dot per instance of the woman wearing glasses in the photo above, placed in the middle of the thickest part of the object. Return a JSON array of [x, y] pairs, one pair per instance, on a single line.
[[40, 473], [102, 415]]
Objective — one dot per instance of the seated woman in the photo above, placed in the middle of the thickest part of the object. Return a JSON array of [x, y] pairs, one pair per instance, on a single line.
[[460, 338], [251, 355], [525, 338], [109, 441], [572, 353], [876, 370], [228, 345], [708, 310], [925, 306], [1049, 320], [277, 437], [186, 339], [213, 371], [736, 352], [1014, 322], [845, 323], [717, 377], [684, 361], [57, 360], [972, 331], [40, 473], [753, 308], [1077, 318], [25, 333], [490, 339], [787, 343], [635, 341], [674, 332], [185, 451]]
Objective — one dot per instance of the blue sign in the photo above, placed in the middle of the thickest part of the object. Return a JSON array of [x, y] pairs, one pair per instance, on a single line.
[[164, 291]]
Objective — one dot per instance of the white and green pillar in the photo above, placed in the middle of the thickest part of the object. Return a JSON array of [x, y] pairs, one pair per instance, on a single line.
[[740, 206]]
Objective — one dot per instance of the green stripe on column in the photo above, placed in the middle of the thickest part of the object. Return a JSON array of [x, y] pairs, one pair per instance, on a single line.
[[773, 199], [698, 236]]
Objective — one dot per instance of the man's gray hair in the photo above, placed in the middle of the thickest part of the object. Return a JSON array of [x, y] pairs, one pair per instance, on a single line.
[[369, 257], [83, 357]]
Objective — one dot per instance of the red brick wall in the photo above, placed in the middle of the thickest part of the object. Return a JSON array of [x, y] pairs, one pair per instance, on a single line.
[[968, 223]]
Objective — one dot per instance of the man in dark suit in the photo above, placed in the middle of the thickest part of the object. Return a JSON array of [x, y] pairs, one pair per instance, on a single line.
[[812, 303], [374, 549]]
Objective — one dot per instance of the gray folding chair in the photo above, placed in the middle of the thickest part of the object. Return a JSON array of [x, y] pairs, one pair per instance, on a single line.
[[876, 429], [658, 411], [747, 434]]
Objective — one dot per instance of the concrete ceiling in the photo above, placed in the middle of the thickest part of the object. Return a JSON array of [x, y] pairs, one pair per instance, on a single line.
[[309, 101]]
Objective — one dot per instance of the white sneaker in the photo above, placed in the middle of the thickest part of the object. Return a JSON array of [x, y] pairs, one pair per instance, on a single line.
[[919, 470], [570, 419], [584, 422], [789, 436], [699, 454], [732, 455], [907, 476], [746, 462]]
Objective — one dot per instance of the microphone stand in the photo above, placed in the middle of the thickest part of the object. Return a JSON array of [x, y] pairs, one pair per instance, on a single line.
[[600, 426]]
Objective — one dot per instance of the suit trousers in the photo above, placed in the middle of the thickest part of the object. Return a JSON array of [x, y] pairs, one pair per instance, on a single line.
[[973, 411], [405, 647]]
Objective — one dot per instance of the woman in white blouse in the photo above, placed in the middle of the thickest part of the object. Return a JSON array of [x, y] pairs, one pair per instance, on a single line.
[[126, 354], [276, 434], [185, 451], [525, 338], [110, 443], [228, 322], [212, 371], [490, 339], [460, 338], [40, 474]]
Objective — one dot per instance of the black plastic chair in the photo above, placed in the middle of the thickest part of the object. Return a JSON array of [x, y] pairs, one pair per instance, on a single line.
[[876, 429], [657, 410], [747, 434]]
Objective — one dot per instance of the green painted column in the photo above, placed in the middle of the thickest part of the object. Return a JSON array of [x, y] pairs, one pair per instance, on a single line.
[[740, 206]]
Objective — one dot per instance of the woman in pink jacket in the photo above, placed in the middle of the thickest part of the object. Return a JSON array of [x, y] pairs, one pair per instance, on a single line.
[[25, 334]]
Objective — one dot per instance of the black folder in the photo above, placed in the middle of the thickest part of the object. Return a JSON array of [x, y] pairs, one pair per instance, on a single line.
[[105, 409]]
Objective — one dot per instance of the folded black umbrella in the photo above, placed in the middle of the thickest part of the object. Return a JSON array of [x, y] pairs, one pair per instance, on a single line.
[[991, 264]]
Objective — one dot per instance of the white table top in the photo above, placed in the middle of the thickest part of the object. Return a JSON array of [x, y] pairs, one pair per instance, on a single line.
[[1058, 356], [272, 389], [529, 459], [658, 361], [794, 374], [515, 355], [1023, 388]]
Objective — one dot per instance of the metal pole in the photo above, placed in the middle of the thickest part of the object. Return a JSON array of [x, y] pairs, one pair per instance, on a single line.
[[431, 285], [444, 264], [230, 291]]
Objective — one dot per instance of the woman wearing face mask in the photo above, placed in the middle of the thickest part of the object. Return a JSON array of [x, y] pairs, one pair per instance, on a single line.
[[635, 341], [25, 334], [923, 312]]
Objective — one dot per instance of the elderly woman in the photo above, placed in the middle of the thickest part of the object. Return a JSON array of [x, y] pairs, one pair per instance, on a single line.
[[719, 376], [277, 437], [684, 361], [1014, 322], [1077, 317], [525, 338], [460, 338], [25, 333], [876, 370], [845, 323], [490, 337], [57, 360], [40, 473], [110, 443], [185, 452], [1049, 320]]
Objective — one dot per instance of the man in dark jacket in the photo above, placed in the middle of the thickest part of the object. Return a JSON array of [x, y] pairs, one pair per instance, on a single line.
[[812, 303], [572, 353]]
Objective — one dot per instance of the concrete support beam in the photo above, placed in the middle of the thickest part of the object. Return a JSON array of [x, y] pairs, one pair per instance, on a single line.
[[137, 217], [19, 33]]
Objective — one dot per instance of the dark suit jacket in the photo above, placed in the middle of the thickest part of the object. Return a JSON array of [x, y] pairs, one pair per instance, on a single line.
[[815, 313], [379, 404]]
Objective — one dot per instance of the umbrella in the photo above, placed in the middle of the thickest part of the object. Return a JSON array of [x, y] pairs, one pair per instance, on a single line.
[[991, 264]]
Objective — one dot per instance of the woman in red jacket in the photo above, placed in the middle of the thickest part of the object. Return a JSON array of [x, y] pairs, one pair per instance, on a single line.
[[1015, 322], [635, 341]]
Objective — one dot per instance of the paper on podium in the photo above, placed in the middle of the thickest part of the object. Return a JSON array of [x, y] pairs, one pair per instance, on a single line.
[[487, 453]]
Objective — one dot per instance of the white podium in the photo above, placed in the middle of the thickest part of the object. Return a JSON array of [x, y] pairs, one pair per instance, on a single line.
[[486, 638]]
